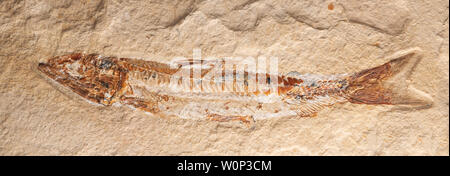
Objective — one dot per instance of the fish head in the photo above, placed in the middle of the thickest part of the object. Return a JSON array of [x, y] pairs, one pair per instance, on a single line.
[[95, 78]]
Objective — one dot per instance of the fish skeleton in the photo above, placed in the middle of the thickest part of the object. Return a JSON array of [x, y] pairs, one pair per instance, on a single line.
[[159, 88]]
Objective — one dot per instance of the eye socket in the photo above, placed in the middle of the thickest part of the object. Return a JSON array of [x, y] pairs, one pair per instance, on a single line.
[[298, 97], [342, 84], [104, 84], [106, 64]]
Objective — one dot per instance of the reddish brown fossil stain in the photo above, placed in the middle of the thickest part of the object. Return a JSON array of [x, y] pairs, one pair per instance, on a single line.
[[330, 6], [377, 44], [259, 106]]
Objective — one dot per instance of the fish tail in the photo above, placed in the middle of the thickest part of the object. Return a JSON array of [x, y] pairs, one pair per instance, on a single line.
[[389, 83]]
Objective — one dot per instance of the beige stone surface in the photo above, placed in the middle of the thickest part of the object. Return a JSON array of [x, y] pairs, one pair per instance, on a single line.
[[324, 36]]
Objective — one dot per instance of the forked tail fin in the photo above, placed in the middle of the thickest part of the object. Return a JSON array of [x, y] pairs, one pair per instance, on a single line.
[[389, 83]]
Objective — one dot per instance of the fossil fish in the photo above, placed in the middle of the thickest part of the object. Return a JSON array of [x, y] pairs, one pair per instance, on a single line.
[[154, 87]]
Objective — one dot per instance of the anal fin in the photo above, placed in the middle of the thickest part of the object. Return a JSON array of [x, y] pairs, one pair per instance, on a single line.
[[310, 108], [246, 120]]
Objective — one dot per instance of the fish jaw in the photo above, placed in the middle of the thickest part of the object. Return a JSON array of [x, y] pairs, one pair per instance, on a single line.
[[96, 79]]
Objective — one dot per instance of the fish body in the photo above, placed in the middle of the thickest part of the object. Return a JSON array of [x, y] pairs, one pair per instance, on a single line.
[[218, 93]]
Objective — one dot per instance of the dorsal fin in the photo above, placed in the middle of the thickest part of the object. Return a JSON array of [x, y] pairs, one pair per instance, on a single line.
[[142, 64]]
